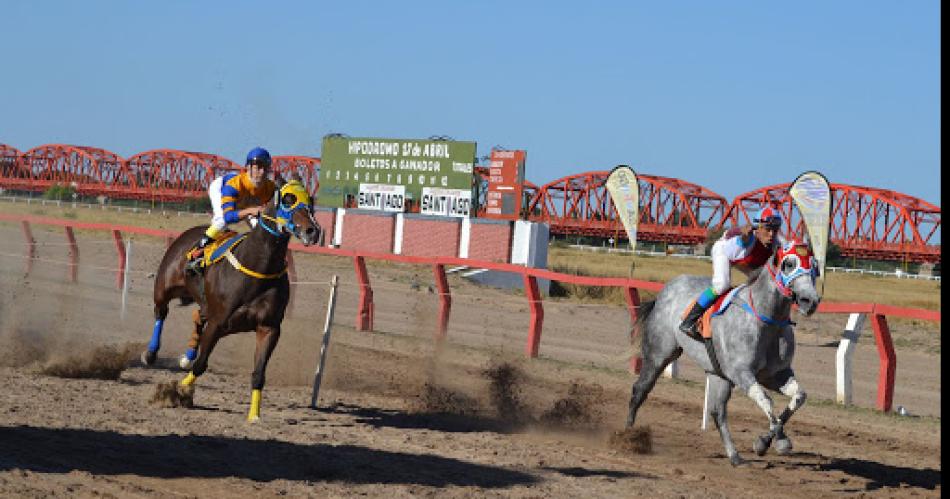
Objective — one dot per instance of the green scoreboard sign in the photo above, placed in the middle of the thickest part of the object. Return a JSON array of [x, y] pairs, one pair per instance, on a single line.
[[390, 174]]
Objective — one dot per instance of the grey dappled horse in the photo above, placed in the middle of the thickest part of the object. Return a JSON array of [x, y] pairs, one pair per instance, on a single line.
[[754, 346]]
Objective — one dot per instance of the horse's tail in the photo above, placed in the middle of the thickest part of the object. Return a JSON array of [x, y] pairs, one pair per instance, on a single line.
[[643, 311]]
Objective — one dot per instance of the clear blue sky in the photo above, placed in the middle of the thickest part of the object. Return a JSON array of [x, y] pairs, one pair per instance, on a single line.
[[732, 95]]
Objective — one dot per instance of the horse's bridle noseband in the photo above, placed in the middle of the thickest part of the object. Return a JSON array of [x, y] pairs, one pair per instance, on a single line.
[[284, 220]]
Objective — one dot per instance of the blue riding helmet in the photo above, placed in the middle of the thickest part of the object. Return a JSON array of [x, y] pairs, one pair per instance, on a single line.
[[258, 156], [768, 216]]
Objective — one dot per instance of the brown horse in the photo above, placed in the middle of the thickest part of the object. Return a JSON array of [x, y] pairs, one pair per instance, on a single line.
[[246, 292]]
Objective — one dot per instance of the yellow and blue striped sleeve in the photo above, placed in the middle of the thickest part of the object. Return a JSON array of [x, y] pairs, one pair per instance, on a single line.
[[230, 192]]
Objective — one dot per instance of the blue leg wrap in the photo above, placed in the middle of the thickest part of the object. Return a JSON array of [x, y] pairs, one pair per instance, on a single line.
[[156, 340], [191, 354]]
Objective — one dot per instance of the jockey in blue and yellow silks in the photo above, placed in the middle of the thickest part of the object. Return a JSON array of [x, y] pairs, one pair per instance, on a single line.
[[745, 248], [234, 197]]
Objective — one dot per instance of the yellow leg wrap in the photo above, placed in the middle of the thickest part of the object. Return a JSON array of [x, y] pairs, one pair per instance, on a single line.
[[189, 380], [255, 413]]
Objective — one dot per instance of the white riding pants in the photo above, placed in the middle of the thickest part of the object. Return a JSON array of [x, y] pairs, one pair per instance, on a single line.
[[217, 219], [721, 267]]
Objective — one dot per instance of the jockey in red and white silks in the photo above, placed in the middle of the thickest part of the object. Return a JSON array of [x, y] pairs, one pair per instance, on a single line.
[[745, 248]]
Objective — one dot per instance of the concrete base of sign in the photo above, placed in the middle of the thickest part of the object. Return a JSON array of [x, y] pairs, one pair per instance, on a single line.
[[504, 280], [529, 247]]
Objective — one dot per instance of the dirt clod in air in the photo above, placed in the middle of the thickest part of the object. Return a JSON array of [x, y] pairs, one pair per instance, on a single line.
[[171, 394], [440, 400], [637, 440], [19, 351], [504, 392], [103, 362], [580, 409]]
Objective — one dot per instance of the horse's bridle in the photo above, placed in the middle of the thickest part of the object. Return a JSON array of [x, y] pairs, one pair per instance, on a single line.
[[794, 253], [284, 221], [804, 264], [283, 226]]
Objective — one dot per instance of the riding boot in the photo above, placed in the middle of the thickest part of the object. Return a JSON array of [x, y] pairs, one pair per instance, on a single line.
[[194, 256], [688, 326]]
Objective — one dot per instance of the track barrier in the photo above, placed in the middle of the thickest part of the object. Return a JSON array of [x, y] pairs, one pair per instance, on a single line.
[[877, 313]]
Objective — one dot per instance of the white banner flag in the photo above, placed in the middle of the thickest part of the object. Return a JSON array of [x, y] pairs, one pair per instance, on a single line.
[[625, 194], [812, 195]]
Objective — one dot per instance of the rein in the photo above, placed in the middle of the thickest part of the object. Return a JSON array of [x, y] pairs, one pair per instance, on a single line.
[[274, 232], [282, 222], [750, 306]]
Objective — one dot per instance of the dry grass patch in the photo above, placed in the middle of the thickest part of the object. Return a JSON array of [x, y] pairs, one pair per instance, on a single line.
[[169, 221]]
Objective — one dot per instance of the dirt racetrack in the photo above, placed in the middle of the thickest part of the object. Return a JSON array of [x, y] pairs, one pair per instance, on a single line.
[[401, 416]]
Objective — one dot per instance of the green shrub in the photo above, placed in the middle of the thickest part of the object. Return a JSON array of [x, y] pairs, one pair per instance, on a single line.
[[59, 192]]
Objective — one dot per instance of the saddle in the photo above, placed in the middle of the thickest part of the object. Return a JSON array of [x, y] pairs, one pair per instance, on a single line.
[[717, 308], [215, 252]]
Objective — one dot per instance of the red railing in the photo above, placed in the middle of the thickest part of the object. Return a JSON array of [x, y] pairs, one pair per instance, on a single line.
[[364, 315]]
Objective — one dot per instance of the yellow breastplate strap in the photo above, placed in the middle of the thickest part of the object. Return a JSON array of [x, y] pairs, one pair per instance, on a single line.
[[237, 265]]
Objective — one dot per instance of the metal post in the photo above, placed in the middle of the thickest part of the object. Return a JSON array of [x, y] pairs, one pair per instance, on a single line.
[[888, 360], [30, 245], [125, 283], [632, 295], [318, 376], [364, 311], [73, 255], [537, 315], [445, 301], [120, 250]]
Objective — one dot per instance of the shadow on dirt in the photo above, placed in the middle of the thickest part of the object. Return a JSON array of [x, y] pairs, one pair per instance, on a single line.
[[584, 472], [885, 475], [453, 423], [49, 450]]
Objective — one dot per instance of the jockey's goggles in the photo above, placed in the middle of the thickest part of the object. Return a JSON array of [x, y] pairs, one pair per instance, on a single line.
[[774, 222], [260, 162]]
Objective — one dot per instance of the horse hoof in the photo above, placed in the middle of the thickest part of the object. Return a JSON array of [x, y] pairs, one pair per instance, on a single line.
[[148, 358], [736, 460], [184, 363], [783, 446], [761, 444]]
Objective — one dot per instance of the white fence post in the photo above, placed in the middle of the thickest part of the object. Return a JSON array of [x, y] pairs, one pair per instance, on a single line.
[[318, 375], [705, 405], [672, 370], [843, 358]]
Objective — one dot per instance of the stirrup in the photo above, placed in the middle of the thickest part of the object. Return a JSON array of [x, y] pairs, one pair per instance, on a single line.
[[193, 266]]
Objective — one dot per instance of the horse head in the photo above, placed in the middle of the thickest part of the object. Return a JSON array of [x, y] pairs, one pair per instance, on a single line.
[[293, 212], [794, 271]]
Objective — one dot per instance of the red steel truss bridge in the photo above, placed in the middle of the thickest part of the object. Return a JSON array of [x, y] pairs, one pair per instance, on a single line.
[[157, 175], [866, 222]]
